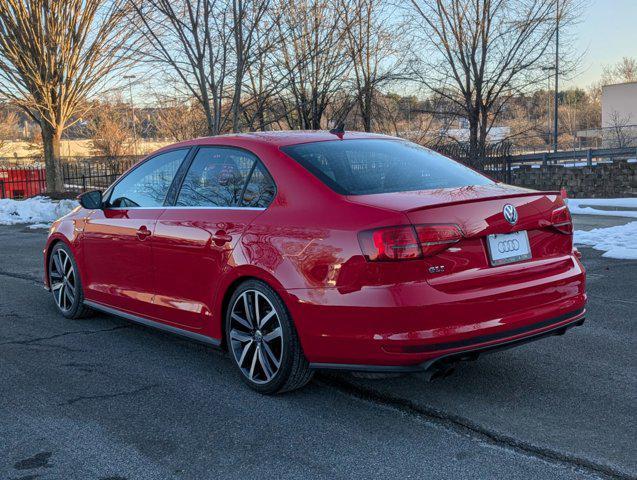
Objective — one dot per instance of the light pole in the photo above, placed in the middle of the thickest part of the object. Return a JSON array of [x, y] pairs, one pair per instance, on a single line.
[[557, 61], [132, 110], [548, 104]]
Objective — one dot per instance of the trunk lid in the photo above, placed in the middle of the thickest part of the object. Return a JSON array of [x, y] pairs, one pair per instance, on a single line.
[[478, 211]]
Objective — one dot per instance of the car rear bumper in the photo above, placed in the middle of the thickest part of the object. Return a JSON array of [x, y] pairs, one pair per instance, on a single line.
[[442, 364], [411, 324]]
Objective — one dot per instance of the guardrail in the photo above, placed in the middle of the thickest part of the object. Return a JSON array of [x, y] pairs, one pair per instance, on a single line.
[[588, 154]]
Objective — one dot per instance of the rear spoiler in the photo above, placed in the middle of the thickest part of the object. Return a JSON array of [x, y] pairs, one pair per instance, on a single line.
[[484, 199]]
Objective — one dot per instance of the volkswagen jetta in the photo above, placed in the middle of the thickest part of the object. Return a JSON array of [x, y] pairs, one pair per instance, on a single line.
[[298, 251]]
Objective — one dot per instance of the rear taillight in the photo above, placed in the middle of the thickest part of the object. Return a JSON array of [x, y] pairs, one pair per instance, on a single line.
[[561, 220], [436, 238], [407, 242], [392, 243]]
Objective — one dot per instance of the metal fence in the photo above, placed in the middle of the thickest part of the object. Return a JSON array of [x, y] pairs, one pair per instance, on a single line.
[[97, 173], [19, 182], [498, 161]]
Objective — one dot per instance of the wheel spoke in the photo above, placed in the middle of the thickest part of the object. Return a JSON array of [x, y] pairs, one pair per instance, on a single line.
[[265, 319], [276, 333], [240, 336], [271, 354], [56, 286], [55, 275], [58, 264], [244, 353], [69, 295], [257, 315], [246, 305], [65, 262], [70, 278], [265, 365], [61, 297], [242, 321], [254, 362]]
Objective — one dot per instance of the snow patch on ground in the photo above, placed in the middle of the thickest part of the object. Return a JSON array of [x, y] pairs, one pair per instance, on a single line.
[[40, 211], [621, 207], [616, 242]]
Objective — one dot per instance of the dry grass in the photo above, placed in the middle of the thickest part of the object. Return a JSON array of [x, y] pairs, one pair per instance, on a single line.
[[72, 148]]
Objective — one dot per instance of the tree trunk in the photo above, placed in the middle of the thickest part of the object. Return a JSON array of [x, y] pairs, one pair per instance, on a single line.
[[367, 114], [237, 11], [51, 143], [473, 141]]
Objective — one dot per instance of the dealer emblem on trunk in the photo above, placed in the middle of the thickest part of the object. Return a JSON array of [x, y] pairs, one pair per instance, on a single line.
[[510, 214]]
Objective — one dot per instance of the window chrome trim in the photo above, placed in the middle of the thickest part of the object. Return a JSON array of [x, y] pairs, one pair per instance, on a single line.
[[170, 207]]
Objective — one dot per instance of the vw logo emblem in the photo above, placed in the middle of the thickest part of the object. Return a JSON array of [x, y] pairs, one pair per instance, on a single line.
[[510, 214]]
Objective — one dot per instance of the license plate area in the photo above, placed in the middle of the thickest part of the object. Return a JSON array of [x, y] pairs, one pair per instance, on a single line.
[[508, 247]]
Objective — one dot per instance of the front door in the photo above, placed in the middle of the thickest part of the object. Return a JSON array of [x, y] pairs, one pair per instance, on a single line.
[[117, 241], [197, 239]]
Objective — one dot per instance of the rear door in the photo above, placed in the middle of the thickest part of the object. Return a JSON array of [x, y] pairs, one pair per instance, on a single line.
[[117, 241], [194, 242]]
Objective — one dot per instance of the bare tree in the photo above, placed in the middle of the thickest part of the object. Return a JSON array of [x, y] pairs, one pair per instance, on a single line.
[[313, 57], [53, 56], [179, 120], [8, 130], [372, 37], [108, 128], [208, 47], [480, 53], [623, 71], [193, 38], [619, 132], [248, 18]]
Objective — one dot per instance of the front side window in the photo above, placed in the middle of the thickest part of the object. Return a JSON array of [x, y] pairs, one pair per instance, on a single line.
[[368, 166], [148, 184], [224, 177]]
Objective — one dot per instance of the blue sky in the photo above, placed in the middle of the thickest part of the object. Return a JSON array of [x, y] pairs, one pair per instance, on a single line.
[[607, 32]]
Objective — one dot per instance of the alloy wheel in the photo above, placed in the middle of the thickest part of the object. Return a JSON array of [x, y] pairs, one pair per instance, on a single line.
[[256, 336], [63, 280]]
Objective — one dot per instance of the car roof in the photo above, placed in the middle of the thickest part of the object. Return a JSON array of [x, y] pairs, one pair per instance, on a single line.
[[280, 138]]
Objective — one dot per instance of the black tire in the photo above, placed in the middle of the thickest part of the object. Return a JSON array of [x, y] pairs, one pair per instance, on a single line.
[[293, 370], [71, 306]]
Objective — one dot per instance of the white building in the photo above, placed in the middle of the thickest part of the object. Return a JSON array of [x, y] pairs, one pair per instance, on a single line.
[[619, 104]]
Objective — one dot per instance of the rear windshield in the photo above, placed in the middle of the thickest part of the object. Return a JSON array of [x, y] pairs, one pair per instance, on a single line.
[[359, 167]]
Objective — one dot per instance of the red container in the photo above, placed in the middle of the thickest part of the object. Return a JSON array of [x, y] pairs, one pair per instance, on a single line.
[[20, 183]]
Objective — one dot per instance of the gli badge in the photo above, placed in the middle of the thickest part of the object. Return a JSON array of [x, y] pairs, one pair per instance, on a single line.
[[510, 214]]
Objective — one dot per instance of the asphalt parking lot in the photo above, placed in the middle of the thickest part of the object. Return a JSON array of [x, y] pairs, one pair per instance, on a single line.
[[108, 400]]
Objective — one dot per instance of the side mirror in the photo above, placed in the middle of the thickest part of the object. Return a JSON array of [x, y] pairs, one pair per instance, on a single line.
[[91, 200]]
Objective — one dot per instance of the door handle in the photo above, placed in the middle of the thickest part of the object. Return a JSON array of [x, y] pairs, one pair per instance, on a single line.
[[143, 233], [221, 237]]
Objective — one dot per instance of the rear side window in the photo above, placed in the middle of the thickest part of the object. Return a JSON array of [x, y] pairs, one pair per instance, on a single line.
[[224, 177], [359, 167], [260, 189], [147, 185]]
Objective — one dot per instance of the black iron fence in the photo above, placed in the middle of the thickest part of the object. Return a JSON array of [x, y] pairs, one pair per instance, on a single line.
[[494, 162], [97, 173], [78, 176]]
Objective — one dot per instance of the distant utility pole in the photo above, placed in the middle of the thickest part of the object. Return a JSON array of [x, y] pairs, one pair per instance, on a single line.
[[557, 60], [132, 109], [548, 103]]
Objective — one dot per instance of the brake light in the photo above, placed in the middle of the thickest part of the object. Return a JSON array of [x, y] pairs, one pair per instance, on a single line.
[[561, 220], [407, 242]]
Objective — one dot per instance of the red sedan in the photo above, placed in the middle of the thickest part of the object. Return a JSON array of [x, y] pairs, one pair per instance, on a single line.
[[299, 251]]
